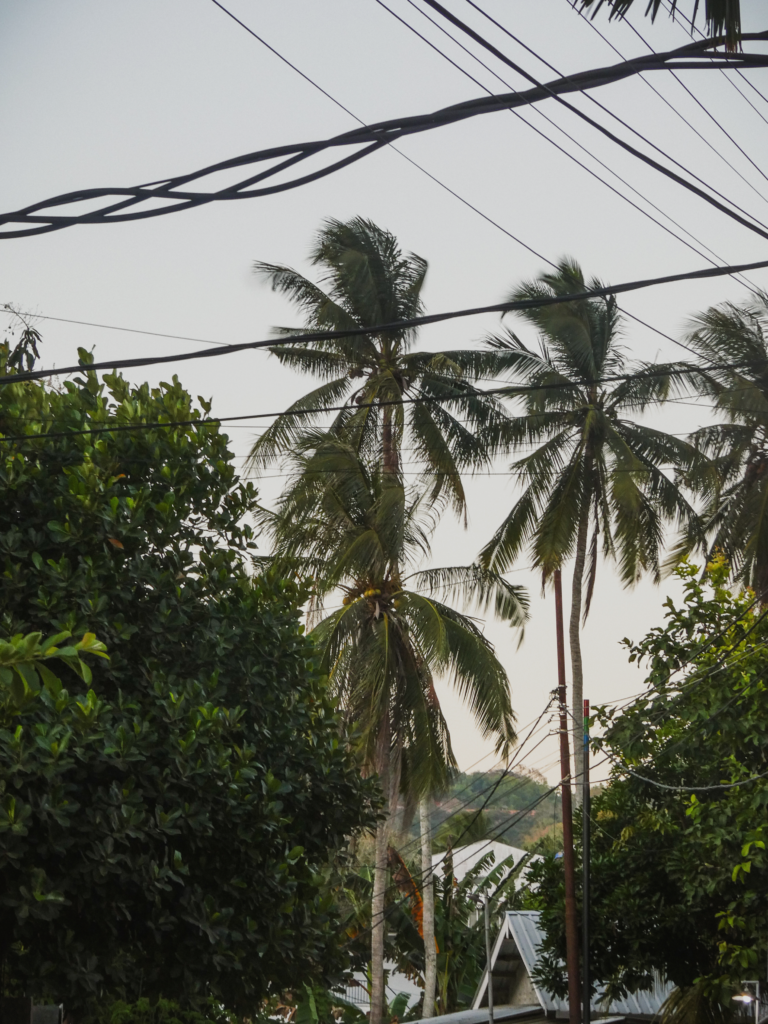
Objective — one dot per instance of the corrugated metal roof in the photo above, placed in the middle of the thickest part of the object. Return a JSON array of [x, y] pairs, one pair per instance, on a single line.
[[523, 926], [528, 1013]]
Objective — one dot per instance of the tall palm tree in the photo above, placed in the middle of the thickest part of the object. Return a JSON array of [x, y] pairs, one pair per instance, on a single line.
[[723, 17], [595, 480], [351, 524], [734, 479], [367, 280]]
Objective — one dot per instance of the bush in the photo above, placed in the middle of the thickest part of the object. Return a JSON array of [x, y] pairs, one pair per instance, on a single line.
[[170, 828]]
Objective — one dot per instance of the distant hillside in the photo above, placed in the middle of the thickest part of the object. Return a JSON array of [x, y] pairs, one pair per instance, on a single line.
[[505, 815]]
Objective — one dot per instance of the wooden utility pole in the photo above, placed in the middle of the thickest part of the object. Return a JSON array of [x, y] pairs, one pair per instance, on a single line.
[[571, 925], [586, 981]]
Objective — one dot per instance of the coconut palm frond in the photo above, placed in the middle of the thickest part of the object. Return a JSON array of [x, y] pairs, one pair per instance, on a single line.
[[477, 586], [282, 435]]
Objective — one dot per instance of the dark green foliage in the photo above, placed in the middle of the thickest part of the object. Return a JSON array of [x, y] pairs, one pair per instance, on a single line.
[[170, 829], [465, 827], [723, 17], [357, 528], [679, 878], [732, 480], [596, 481], [459, 927], [163, 1011]]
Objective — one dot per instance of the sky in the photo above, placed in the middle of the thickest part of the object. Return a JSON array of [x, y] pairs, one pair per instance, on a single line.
[[114, 94]]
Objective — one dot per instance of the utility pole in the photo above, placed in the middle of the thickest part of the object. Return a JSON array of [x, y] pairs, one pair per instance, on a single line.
[[571, 927], [586, 982]]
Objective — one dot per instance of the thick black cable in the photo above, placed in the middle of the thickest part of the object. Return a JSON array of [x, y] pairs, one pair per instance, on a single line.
[[663, 98], [176, 198], [695, 30], [617, 118], [437, 180], [552, 142], [360, 121], [650, 161], [396, 326], [712, 118]]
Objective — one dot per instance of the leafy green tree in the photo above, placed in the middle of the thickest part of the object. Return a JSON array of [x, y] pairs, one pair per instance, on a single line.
[[595, 482], [352, 525], [733, 481], [723, 17], [367, 280], [167, 825], [679, 873], [459, 928]]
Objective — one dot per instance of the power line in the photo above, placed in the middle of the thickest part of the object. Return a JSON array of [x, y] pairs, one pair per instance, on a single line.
[[687, 789], [400, 153], [394, 326], [615, 116], [650, 161], [712, 118], [552, 142], [109, 327], [695, 30], [662, 97], [122, 202], [510, 391], [421, 168]]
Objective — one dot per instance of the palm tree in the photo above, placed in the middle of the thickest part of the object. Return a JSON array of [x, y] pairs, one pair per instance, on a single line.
[[350, 523], [734, 479], [367, 280], [723, 17], [595, 479]]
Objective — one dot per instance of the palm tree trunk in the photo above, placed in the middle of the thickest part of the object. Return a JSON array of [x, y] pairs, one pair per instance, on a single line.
[[428, 918], [574, 636], [380, 871], [387, 441]]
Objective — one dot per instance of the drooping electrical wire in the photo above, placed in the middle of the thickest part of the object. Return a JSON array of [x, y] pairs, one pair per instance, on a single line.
[[397, 326], [650, 161], [552, 142], [122, 203]]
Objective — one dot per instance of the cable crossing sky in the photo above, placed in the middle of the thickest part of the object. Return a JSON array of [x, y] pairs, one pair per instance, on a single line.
[[121, 201]]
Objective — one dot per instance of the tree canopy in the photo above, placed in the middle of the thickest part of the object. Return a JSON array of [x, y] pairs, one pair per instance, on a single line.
[[368, 280], [679, 865], [167, 825]]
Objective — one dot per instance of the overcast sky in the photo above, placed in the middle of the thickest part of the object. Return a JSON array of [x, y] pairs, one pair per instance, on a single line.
[[119, 93]]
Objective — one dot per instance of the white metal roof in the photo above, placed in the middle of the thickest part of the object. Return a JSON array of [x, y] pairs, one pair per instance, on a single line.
[[523, 927], [466, 857]]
